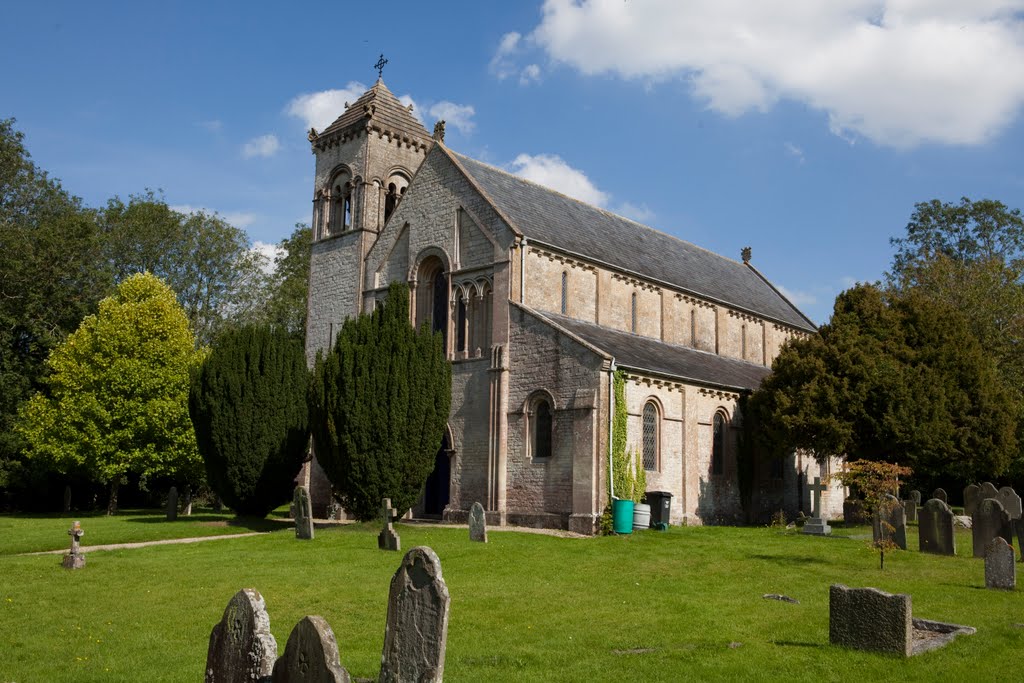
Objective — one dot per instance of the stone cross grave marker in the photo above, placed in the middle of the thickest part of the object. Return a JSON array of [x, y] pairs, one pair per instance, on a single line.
[[989, 490], [989, 521], [477, 523], [890, 522], [1000, 565], [303, 513], [941, 495], [915, 496], [816, 525], [972, 496], [910, 510], [388, 539], [417, 628], [172, 504], [935, 528], [242, 647], [75, 559], [1011, 502], [311, 655]]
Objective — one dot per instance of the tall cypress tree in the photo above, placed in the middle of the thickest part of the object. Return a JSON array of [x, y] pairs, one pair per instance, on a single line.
[[248, 407], [379, 403]]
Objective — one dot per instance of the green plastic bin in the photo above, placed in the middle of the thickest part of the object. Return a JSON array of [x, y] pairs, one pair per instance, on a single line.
[[622, 516]]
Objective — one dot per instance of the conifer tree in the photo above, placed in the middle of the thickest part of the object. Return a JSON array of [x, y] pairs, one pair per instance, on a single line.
[[248, 407], [379, 403]]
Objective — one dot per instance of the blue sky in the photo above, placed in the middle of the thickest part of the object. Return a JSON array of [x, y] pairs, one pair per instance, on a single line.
[[807, 130]]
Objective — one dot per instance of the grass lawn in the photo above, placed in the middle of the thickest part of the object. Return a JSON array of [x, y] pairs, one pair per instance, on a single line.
[[680, 605]]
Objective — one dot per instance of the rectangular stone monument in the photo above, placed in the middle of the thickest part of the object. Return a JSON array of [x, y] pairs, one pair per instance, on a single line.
[[303, 509], [311, 655], [75, 559], [388, 539], [242, 648], [477, 523], [869, 619], [416, 635], [935, 528], [172, 504], [972, 496], [817, 525], [989, 521], [1000, 565], [910, 510], [890, 522], [1011, 502]]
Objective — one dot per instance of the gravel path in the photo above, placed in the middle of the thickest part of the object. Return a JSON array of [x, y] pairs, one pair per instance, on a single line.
[[143, 544]]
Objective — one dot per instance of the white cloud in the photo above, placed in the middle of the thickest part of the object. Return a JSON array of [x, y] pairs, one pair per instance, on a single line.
[[267, 252], [262, 146], [551, 171], [798, 298], [640, 214], [529, 74], [898, 72], [237, 219], [408, 101], [794, 151], [320, 109], [459, 116]]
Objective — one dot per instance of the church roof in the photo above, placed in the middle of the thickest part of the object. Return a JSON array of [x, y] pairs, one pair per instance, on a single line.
[[636, 352], [556, 220], [378, 107]]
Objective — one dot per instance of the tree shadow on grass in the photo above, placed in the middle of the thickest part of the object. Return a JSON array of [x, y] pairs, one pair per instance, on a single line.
[[788, 559], [214, 519]]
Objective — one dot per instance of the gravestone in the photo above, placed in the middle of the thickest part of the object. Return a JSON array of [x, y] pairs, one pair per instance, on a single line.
[[890, 522], [1000, 565], [417, 628], [988, 522], [311, 655], [1011, 502], [915, 496], [869, 619], [989, 490], [67, 498], [241, 645], [910, 509], [75, 559], [941, 495], [477, 523], [972, 496], [388, 539], [817, 525], [853, 512], [172, 504], [935, 528], [303, 513]]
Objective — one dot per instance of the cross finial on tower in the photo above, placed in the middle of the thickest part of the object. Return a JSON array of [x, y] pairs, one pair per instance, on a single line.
[[379, 66]]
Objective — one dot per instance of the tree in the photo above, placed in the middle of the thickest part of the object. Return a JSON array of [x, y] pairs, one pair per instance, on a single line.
[[873, 481], [289, 284], [204, 260], [899, 377], [248, 407], [379, 403], [117, 399]]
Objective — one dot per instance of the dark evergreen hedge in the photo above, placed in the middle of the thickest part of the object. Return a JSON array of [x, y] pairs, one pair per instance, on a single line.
[[249, 411], [378, 404]]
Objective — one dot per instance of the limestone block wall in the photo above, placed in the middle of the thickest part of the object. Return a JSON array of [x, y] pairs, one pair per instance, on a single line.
[[333, 289], [545, 270], [668, 398], [711, 498], [469, 423]]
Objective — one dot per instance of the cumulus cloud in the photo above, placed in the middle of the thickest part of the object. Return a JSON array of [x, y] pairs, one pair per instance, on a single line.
[[262, 146], [551, 171], [898, 72], [529, 74], [458, 116], [320, 109], [267, 253], [640, 214]]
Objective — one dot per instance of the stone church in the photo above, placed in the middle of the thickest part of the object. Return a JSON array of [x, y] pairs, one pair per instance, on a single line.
[[540, 299]]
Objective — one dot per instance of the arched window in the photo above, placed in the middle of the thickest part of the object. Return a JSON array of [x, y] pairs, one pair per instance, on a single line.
[[565, 292], [397, 183], [718, 445], [651, 441], [432, 297], [540, 428], [340, 207]]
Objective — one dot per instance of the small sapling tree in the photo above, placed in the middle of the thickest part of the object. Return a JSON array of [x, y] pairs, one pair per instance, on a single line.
[[874, 481]]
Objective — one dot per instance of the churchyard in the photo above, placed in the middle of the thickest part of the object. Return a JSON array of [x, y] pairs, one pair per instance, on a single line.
[[686, 604]]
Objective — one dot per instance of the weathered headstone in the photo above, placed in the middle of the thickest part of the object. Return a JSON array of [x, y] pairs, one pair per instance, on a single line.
[[988, 522], [915, 496], [242, 649], [67, 498], [387, 539], [989, 490], [890, 522], [1011, 502], [477, 523], [311, 655], [941, 495], [935, 528], [172, 504], [854, 513], [817, 525], [75, 559], [869, 619], [417, 629], [303, 513], [1000, 565], [972, 496], [910, 509]]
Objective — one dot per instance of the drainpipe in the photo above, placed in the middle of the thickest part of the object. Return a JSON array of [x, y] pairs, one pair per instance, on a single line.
[[611, 430], [522, 271]]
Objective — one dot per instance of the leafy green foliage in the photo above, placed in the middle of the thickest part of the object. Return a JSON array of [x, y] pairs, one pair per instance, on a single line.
[[248, 406], [379, 403], [118, 391], [623, 476], [289, 285], [902, 379]]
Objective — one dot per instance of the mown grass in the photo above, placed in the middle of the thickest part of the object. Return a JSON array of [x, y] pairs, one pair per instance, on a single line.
[[682, 605]]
